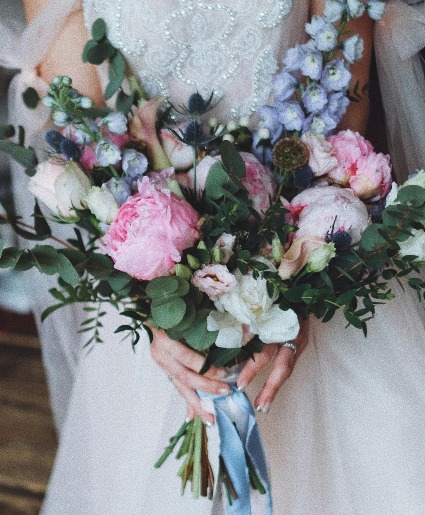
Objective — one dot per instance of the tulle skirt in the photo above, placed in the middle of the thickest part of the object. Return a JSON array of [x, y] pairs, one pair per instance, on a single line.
[[345, 434]]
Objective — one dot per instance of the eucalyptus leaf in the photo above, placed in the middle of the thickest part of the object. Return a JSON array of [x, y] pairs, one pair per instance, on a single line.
[[232, 161], [198, 337], [98, 29], [22, 155], [9, 257], [31, 98], [411, 196], [46, 258], [66, 270], [6, 131], [218, 182], [170, 314]]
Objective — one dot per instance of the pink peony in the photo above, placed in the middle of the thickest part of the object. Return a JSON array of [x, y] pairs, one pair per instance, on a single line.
[[367, 173], [258, 180], [150, 231], [322, 158], [214, 280], [349, 146], [373, 177], [320, 209]]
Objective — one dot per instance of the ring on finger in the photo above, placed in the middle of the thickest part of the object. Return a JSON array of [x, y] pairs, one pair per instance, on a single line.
[[290, 345], [170, 378]]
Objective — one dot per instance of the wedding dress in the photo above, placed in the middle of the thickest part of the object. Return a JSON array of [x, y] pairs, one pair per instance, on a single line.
[[345, 434]]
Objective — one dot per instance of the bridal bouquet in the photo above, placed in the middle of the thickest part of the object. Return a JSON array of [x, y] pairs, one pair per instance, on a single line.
[[223, 236]]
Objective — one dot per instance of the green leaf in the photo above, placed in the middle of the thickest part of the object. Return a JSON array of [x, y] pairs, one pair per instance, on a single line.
[[67, 271], [118, 282], [24, 156], [46, 258], [371, 239], [50, 310], [98, 29], [124, 102], [221, 357], [185, 324], [41, 226], [98, 52], [9, 257], [170, 314], [6, 131], [232, 161], [31, 98], [198, 337], [411, 196], [218, 182]]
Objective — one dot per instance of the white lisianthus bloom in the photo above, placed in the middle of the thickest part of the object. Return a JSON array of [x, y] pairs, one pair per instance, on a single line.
[[230, 330], [250, 304], [102, 204], [392, 195], [319, 258], [418, 179], [414, 245], [61, 187]]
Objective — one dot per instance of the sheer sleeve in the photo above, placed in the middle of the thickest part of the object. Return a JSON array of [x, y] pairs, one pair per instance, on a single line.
[[399, 37]]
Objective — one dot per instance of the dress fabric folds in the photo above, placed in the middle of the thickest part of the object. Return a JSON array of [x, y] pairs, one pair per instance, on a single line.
[[345, 434]]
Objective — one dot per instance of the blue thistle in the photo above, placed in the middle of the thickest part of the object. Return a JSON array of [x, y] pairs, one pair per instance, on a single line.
[[303, 177], [196, 104], [54, 139], [70, 149], [192, 134], [341, 240]]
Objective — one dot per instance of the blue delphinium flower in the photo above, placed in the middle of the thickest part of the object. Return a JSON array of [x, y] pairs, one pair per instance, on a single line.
[[337, 105], [319, 124], [291, 116], [335, 76], [116, 123], [134, 165], [355, 8], [284, 85], [70, 149], [334, 9], [323, 32], [353, 48], [54, 139], [317, 24], [293, 58], [80, 136], [119, 188], [376, 9], [311, 64], [107, 153], [314, 98], [270, 120], [261, 146]]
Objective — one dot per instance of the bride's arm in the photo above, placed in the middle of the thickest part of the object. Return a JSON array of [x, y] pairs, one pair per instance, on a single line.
[[64, 55]]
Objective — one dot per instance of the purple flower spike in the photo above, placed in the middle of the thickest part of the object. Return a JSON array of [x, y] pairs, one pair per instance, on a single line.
[[335, 76], [291, 116]]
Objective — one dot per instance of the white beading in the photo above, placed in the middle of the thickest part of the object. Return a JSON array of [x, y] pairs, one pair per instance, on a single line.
[[193, 45]]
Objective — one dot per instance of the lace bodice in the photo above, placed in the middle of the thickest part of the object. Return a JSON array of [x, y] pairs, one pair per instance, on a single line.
[[231, 47]]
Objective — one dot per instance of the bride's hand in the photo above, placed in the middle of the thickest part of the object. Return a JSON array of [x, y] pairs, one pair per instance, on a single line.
[[182, 365], [283, 359]]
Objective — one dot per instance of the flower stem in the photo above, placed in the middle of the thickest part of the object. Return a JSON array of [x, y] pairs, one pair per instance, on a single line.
[[197, 457], [173, 442]]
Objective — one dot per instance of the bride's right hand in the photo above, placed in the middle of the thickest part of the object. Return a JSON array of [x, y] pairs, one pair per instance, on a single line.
[[182, 366]]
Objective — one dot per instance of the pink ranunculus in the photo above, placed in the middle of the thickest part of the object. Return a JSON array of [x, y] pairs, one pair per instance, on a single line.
[[258, 180], [214, 280], [332, 208], [322, 158], [349, 147], [373, 177], [150, 232]]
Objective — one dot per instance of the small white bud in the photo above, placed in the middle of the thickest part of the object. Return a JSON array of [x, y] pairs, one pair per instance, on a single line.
[[232, 126], [228, 137], [244, 121], [213, 122], [264, 133]]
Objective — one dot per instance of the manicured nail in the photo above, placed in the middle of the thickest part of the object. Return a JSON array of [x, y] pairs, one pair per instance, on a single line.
[[258, 409], [207, 423], [188, 419], [225, 392], [242, 387], [266, 409]]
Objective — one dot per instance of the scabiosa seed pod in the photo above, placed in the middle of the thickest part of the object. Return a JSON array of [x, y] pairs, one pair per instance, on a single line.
[[70, 149], [290, 154], [341, 240], [303, 177], [197, 104], [54, 139]]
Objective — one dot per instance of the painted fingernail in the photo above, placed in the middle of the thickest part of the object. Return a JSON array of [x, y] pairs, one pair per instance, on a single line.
[[242, 387], [207, 423], [258, 409], [266, 409], [188, 419], [225, 392]]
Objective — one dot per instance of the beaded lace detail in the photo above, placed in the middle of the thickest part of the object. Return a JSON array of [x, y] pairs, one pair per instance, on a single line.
[[204, 46]]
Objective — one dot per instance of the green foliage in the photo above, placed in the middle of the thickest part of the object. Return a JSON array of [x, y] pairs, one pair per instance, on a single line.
[[25, 156]]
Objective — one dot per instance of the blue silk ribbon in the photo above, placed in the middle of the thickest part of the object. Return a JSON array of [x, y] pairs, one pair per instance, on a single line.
[[235, 443]]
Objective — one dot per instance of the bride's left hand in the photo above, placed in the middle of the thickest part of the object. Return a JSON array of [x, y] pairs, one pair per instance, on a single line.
[[283, 360]]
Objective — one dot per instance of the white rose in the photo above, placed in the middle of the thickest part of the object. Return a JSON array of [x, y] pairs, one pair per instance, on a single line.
[[62, 187], [102, 204], [414, 245], [230, 331], [319, 258]]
